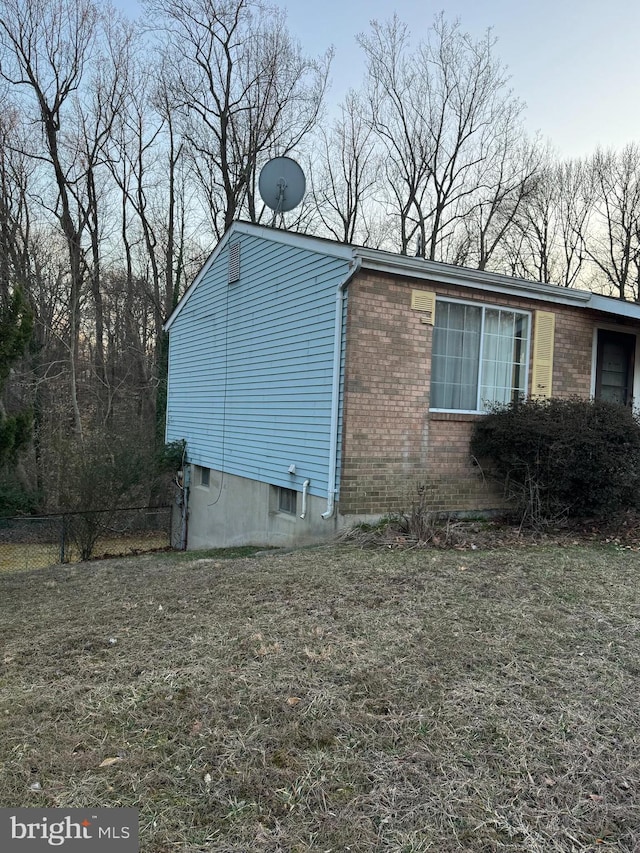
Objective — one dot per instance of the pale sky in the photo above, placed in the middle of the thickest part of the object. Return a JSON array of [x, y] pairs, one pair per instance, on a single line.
[[575, 63]]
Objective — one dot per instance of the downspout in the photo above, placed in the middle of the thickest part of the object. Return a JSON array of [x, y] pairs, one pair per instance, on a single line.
[[335, 391]]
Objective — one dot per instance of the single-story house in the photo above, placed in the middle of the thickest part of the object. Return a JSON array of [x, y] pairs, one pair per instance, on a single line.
[[318, 384]]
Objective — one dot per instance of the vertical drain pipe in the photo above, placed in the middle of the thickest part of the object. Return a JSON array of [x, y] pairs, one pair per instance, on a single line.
[[335, 391]]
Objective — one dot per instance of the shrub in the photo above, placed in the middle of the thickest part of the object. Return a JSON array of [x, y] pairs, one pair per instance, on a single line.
[[573, 457], [109, 472], [170, 457], [15, 500]]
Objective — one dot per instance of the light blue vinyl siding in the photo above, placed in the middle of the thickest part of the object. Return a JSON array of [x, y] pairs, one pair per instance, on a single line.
[[251, 365]]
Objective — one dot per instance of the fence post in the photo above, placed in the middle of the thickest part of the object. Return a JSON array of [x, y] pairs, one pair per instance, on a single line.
[[63, 537]]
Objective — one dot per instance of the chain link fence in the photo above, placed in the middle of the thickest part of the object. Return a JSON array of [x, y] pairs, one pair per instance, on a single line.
[[33, 542]]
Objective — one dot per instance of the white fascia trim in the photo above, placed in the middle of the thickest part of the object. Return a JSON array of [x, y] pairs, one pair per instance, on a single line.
[[495, 283], [433, 271], [618, 307], [203, 271], [465, 277], [320, 245]]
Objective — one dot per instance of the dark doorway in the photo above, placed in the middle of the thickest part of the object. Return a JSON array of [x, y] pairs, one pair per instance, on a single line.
[[614, 367]]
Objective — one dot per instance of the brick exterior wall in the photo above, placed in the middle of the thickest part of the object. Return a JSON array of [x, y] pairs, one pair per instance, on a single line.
[[392, 444]]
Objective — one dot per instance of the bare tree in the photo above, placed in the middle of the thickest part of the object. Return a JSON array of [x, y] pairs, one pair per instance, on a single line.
[[614, 240], [245, 92], [549, 238], [147, 165], [95, 117], [15, 220], [505, 182], [45, 46], [444, 114], [575, 208], [344, 174], [397, 95]]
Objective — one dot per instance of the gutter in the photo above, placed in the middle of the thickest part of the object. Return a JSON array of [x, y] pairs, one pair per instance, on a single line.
[[618, 307], [436, 271], [335, 390]]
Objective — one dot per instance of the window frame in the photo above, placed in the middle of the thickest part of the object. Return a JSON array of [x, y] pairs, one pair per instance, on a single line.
[[284, 506], [483, 306], [204, 477]]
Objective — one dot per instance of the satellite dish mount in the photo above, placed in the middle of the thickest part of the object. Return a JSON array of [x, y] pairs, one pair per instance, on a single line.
[[282, 185]]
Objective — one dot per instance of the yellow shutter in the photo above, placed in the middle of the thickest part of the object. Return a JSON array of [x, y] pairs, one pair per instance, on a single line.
[[543, 339], [425, 301]]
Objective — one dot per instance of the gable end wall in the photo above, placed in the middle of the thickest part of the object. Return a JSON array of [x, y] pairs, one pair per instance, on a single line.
[[251, 366]]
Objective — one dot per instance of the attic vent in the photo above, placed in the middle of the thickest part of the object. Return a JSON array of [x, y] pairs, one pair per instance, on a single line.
[[425, 301], [234, 262]]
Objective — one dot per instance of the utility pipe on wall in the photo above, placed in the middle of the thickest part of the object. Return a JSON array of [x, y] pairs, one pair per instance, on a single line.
[[335, 391], [305, 487]]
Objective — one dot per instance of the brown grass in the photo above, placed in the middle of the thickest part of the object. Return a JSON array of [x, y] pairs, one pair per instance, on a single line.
[[333, 699]]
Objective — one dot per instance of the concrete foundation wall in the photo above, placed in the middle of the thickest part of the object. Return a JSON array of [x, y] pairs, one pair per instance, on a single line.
[[235, 511]]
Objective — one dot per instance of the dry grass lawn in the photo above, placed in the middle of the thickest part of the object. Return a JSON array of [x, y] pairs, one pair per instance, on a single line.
[[332, 699]]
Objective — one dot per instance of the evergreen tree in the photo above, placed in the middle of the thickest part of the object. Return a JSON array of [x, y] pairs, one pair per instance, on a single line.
[[16, 325]]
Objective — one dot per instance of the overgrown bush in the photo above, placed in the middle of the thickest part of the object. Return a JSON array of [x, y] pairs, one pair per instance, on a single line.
[[562, 458], [107, 473], [16, 500], [169, 458]]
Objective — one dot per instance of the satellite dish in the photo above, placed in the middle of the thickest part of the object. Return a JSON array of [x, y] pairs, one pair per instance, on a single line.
[[282, 185]]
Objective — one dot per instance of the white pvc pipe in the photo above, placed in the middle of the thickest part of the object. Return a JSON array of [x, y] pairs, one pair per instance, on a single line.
[[335, 392], [305, 487]]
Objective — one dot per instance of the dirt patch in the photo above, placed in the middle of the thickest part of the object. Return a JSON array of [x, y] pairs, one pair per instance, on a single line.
[[462, 534]]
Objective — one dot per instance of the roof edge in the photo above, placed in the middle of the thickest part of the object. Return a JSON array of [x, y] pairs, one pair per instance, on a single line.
[[467, 277], [342, 251], [612, 305], [382, 261]]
